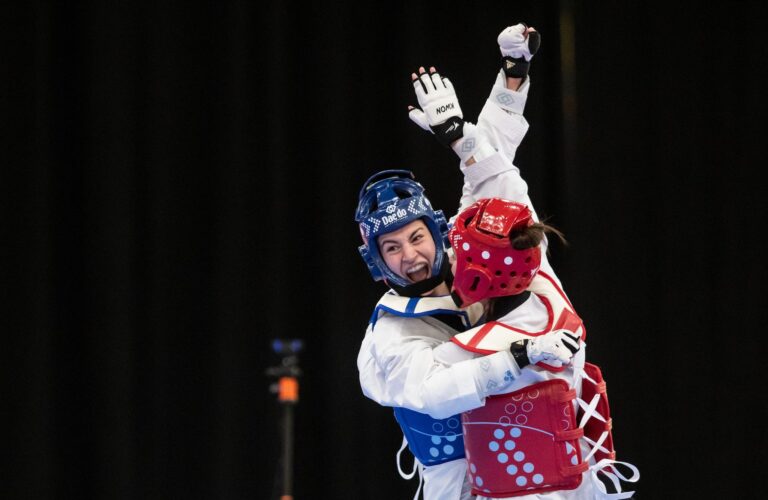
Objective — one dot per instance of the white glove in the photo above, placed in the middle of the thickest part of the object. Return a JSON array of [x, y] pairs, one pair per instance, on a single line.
[[437, 99], [518, 44], [554, 348], [440, 112]]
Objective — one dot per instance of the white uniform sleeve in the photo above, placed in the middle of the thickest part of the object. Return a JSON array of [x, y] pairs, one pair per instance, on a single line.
[[504, 127], [501, 120], [400, 364], [494, 176], [465, 380], [394, 356]]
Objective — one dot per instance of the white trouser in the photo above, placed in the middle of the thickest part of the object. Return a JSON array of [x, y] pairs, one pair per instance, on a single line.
[[447, 481]]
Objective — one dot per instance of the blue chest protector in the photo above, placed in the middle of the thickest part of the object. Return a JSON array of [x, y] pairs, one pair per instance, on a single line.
[[432, 441]]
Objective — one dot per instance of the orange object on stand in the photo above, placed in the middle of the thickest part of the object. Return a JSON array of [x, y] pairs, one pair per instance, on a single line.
[[288, 390]]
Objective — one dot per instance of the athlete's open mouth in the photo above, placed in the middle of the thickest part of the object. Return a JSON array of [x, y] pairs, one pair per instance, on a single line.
[[418, 272]]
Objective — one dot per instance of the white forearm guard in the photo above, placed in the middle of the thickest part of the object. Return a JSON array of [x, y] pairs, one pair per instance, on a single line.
[[512, 101], [473, 144]]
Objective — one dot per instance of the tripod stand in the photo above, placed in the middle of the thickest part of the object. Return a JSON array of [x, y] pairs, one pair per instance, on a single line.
[[287, 390]]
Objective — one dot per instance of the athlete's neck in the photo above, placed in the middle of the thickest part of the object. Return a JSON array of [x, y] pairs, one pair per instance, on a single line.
[[441, 289]]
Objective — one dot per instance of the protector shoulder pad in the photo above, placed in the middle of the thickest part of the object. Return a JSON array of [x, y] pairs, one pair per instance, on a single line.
[[414, 307]]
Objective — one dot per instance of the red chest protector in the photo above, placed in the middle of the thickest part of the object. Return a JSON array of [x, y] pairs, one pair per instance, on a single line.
[[527, 441], [523, 441]]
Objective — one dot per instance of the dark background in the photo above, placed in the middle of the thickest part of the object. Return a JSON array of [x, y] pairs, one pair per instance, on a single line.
[[179, 182]]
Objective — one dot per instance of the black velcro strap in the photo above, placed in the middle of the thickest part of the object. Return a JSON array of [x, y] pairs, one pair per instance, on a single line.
[[449, 131], [520, 353], [515, 67]]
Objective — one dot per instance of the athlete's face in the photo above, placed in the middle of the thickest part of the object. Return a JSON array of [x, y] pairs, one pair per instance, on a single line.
[[409, 251]]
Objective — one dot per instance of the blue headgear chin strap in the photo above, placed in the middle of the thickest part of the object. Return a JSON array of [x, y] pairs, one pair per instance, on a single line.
[[389, 200]]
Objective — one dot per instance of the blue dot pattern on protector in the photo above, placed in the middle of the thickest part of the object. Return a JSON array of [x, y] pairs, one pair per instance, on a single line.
[[431, 441]]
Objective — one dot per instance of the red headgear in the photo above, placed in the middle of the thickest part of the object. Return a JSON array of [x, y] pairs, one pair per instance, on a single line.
[[486, 263]]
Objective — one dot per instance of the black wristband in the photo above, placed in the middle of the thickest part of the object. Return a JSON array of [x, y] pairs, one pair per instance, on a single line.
[[450, 130], [515, 67], [520, 353]]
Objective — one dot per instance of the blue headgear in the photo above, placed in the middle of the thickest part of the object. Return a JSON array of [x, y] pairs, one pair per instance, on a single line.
[[388, 201]]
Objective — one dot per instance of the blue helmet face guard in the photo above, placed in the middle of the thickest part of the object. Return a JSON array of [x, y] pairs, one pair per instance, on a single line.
[[388, 201]]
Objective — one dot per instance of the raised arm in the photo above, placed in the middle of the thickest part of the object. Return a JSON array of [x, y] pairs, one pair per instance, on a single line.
[[485, 150]]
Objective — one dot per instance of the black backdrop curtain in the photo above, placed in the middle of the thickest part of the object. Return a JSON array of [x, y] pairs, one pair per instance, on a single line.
[[179, 183]]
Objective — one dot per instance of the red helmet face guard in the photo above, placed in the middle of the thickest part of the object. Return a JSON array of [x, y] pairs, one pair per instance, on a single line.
[[487, 265]]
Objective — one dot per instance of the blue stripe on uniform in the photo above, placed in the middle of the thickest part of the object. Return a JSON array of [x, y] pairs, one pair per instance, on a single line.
[[411, 305]]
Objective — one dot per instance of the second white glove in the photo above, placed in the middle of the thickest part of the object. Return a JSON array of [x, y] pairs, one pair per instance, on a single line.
[[554, 348], [514, 43]]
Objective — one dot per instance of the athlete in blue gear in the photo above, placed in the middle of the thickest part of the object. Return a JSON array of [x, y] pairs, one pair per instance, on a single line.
[[404, 245]]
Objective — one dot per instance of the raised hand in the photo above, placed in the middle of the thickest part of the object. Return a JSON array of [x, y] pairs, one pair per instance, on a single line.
[[518, 44], [440, 111]]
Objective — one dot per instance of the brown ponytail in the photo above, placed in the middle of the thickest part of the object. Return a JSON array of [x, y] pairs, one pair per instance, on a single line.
[[531, 236]]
